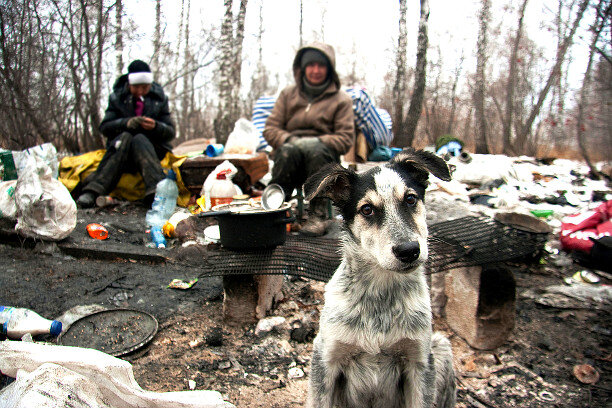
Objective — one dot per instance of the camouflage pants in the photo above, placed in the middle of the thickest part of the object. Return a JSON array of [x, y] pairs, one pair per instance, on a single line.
[[295, 161], [127, 154]]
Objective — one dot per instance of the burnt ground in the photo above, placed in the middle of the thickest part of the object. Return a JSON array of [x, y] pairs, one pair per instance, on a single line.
[[534, 368]]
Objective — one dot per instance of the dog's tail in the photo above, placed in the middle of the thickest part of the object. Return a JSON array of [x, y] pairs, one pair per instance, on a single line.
[[445, 374]]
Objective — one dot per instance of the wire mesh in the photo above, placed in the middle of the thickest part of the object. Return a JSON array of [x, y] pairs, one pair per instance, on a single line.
[[466, 241]]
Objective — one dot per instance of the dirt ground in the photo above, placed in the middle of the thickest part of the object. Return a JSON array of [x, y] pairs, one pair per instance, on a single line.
[[534, 368]]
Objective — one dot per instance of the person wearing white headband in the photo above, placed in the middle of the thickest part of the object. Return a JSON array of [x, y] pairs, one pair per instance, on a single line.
[[138, 128]]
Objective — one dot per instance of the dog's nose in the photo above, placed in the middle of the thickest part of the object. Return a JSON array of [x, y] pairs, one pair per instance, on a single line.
[[407, 252]]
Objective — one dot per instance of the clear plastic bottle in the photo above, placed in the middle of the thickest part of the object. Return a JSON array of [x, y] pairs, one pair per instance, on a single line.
[[166, 194], [15, 322]]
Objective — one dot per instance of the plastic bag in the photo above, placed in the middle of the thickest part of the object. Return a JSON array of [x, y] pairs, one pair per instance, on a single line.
[[8, 207], [61, 376], [244, 139], [45, 208], [14, 162], [229, 170]]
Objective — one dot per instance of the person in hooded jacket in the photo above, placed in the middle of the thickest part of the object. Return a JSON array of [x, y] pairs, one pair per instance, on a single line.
[[138, 129], [311, 125]]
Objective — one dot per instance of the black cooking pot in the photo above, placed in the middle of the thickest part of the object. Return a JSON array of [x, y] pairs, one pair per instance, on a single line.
[[252, 229]]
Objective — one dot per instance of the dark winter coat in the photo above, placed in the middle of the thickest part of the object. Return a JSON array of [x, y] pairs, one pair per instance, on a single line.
[[328, 117], [121, 108]]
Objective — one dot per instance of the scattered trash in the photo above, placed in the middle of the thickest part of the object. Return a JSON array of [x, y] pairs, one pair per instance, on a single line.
[[105, 201], [97, 231], [265, 326], [585, 277], [182, 284], [191, 384], [295, 372], [586, 374], [15, 322]]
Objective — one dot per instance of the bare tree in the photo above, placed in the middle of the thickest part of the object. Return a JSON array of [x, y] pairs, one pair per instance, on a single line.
[[400, 84], [508, 116], [230, 63], [157, 37], [479, 91], [405, 127], [526, 127], [260, 82], [118, 37], [602, 13]]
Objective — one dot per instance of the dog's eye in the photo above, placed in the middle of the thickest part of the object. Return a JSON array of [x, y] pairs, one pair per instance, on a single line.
[[366, 210], [411, 200]]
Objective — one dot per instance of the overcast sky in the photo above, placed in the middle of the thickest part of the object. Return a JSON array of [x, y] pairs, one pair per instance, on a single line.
[[364, 31]]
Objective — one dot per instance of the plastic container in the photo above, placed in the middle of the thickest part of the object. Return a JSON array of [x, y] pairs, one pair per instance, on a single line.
[[15, 322], [166, 194], [157, 237], [222, 190]]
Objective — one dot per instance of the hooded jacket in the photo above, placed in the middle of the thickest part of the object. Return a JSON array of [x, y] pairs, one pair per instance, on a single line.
[[121, 108], [328, 117]]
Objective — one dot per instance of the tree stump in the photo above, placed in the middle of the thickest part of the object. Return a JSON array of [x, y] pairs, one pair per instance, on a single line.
[[248, 298]]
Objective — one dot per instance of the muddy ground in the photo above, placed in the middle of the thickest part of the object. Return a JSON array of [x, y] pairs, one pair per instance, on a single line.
[[534, 368]]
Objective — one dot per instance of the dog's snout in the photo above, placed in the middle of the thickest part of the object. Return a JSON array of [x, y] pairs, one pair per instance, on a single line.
[[407, 252]]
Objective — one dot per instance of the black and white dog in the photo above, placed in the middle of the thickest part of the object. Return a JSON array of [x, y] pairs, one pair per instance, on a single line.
[[375, 347]]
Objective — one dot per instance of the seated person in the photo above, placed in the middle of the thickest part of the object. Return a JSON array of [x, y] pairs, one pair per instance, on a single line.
[[138, 129], [311, 124]]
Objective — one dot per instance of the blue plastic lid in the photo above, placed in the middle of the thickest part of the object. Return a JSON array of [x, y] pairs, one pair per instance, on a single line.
[[171, 174], [56, 328]]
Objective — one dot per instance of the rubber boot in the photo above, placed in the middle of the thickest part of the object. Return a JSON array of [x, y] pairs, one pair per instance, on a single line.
[[316, 224]]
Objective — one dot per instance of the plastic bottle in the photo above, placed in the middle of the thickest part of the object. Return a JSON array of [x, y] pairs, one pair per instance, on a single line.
[[166, 194], [15, 322], [222, 190]]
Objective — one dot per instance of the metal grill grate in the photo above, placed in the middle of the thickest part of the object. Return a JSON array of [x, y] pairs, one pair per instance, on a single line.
[[466, 241]]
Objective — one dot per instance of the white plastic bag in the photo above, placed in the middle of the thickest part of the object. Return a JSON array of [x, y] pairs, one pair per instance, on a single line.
[[8, 207], [244, 139], [45, 208], [60, 376], [230, 171]]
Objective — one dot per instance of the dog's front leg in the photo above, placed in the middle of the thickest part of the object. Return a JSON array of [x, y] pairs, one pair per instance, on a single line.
[[415, 381], [322, 380]]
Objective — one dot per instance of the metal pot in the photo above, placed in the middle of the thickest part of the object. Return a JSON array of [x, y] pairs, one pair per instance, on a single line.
[[242, 228]]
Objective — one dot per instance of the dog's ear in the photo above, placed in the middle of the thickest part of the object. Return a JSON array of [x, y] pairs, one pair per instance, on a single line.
[[331, 181], [423, 162]]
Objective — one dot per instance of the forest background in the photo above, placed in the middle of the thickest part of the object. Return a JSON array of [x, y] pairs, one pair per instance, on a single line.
[[532, 77]]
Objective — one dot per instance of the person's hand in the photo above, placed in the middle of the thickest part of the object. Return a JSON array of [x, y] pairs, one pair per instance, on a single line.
[[148, 123], [304, 142], [134, 122]]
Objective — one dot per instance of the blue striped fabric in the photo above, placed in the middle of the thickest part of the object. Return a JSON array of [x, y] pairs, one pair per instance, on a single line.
[[261, 110], [375, 123]]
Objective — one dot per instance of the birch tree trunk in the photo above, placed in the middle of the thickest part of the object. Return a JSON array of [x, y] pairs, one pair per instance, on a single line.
[[118, 37], [156, 38], [399, 87], [479, 92], [230, 64], [508, 116]]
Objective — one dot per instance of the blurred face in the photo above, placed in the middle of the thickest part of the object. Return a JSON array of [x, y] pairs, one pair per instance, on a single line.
[[316, 73], [140, 90]]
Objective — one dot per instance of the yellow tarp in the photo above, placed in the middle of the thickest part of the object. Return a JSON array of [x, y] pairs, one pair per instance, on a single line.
[[74, 169]]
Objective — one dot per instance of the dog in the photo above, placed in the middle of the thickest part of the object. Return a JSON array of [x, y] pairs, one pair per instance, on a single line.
[[375, 347]]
